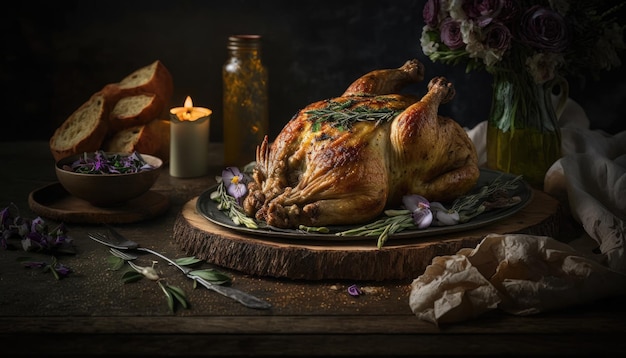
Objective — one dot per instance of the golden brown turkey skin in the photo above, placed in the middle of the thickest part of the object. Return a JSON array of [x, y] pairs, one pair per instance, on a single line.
[[318, 173]]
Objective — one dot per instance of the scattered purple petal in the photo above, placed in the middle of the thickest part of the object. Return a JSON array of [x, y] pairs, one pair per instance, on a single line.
[[62, 270], [34, 234], [34, 264], [354, 291]]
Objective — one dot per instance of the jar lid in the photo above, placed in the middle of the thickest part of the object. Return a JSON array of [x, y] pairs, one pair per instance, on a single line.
[[244, 41]]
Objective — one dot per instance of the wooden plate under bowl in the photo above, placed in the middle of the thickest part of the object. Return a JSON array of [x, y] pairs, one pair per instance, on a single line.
[[54, 202]]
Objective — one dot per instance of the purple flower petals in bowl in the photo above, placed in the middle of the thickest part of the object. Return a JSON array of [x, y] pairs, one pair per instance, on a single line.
[[108, 179]]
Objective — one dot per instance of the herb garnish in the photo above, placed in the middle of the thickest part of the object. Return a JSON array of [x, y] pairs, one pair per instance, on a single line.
[[494, 195], [172, 293], [230, 192], [490, 196], [103, 163], [342, 117]]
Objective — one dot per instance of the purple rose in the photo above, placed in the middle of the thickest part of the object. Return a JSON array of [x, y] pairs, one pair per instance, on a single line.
[[482, 11], [431, 12], [543, 29], [497, 36], [508, 10], [451, 33]]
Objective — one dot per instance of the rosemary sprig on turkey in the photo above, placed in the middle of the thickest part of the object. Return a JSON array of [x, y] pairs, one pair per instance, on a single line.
[[419, 213], [341, 116]]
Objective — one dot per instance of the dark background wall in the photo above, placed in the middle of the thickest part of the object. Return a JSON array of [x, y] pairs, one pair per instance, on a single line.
[[55, 54]]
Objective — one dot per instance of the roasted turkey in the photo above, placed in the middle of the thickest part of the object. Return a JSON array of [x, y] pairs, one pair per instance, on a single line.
[[344, 160]]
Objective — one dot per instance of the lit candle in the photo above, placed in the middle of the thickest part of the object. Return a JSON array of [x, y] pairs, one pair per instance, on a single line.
[[189, 146]]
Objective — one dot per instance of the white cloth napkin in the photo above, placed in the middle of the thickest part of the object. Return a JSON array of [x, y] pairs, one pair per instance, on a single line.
[[590, 179], [523, 274]]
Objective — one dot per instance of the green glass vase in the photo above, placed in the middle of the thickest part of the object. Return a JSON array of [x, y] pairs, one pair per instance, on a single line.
[[523, 135]]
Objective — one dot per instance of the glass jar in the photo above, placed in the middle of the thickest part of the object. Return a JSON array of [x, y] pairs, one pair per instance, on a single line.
[[523, 134], [245, 100]]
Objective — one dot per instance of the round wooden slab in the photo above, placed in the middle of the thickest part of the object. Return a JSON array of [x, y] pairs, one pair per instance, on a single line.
[[350, 260], [54, 202]]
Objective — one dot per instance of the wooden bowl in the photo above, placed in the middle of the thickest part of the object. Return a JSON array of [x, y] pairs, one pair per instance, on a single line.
[[105, 190]]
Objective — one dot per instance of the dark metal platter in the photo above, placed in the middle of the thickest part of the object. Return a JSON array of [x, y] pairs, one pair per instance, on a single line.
[[208, 209]]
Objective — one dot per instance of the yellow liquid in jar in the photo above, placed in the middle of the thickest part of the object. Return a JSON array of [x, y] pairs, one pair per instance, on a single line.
[[245, 105], [527, 152]]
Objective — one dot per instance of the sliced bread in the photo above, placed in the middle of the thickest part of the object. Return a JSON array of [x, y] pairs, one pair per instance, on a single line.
[[154, 78], [135, 110], [152, 138], [138, 99], [84, 130]]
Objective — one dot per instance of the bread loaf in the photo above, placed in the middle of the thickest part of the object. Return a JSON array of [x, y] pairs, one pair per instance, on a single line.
[[152, 138], [84, 130], [136, 102], [135, 110], [154, 78]]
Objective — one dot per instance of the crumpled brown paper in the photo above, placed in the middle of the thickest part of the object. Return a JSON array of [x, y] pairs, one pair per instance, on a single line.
[[520, 274]]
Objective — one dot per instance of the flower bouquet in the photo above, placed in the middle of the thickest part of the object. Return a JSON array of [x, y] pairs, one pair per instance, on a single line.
[[530, 48]]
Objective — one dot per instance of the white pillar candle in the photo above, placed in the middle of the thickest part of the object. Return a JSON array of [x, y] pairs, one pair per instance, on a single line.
[[189, 146]]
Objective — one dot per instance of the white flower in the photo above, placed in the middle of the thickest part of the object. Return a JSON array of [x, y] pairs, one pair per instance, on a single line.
[[475, 47], [542, 66], [455, 8], [428, 45], [491, 56]]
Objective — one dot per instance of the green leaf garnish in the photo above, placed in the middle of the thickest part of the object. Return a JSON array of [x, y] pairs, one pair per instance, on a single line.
[[228, 204], [173, 294], [187, 261], [178, 294], [212, 276], [131, 276], [115, 263]]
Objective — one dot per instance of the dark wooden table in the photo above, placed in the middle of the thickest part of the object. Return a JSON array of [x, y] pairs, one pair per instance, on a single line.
[[92, 312]]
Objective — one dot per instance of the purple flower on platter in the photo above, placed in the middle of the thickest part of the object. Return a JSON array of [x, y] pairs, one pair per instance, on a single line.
[[451, 34], [431, 12], [235, 182], [420, 210], [544, 29]]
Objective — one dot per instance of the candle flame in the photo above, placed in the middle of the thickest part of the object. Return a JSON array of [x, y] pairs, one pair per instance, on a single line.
[[188, 108], [189, 112], [188, 103]]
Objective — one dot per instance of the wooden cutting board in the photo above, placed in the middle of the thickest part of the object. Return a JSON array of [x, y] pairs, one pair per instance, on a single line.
[[399, 259]]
